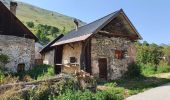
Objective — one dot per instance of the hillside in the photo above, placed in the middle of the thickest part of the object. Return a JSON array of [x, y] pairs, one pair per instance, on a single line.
[[29, 13]]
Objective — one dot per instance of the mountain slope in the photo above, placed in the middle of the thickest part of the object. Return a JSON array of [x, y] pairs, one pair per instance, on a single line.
[[29, 13]]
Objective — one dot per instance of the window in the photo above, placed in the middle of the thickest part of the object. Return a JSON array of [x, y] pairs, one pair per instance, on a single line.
[[73, 60], [119, 54], [21, 67]]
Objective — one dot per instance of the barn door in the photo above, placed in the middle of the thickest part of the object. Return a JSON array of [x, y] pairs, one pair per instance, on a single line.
[[103, 68]]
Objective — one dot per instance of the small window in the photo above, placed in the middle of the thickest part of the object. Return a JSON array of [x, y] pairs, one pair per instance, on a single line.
[[21, 67], [119, 54], [73, 60]]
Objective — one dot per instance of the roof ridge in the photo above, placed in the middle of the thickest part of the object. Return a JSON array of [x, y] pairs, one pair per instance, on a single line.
[[99, 19]]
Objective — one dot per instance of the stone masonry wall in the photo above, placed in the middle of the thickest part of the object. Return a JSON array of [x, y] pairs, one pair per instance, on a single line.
[[103, 47], [20, 50]]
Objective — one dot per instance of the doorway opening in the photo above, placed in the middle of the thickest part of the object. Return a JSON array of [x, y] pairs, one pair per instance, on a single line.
[[102, 68]]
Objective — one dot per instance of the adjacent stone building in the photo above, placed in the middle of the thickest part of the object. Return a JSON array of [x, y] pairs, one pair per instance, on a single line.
[[103, 48], [16, 40]]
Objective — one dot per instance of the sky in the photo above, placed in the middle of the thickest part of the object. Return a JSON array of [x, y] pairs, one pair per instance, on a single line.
[[150, 17]]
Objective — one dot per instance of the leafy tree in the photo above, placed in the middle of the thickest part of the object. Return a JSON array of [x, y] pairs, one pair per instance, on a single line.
[[42, 37], [167, 54], [30, 24], [149, 53], [54, 31], [145, 43]]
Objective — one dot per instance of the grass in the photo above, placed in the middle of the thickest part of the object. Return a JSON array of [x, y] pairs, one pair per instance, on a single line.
[[138, 85], [38, 72]]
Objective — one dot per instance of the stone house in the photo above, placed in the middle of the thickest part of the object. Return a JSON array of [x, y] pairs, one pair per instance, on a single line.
[[16, 40], [103, 48]]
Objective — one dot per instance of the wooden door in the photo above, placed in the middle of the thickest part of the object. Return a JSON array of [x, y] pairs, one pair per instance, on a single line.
[[103, 68]]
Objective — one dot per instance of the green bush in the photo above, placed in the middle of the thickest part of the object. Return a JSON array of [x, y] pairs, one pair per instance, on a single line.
[[148, 69], [30, 24], [4, 59], [38, 72], [134, 70], [112, 93]]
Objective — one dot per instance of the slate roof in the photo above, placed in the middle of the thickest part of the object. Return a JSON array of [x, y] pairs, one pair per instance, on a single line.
[[87, 30], [48, 46]]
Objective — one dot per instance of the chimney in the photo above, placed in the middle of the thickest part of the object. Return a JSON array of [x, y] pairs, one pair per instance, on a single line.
[[13, 7], [76, 23]]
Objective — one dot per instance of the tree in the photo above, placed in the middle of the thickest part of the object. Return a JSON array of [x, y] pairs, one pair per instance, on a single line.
[[30, 24], [149, 53], [42, 37], [167, 54], [54, 31], [145, 43]]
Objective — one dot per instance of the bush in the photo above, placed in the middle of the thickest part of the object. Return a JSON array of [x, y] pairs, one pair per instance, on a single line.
[[38, 72], [112, 93], [4, 59], [134, 70], [148, 69], [40, 93], [30, 24]]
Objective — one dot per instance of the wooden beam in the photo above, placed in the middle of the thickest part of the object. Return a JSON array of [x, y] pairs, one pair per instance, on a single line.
[[106, 33]]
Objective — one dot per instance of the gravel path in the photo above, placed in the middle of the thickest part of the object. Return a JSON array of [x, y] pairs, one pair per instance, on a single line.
[[158, 93]]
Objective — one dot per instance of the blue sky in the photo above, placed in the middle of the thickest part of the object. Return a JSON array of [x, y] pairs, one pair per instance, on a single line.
[[150, 17]]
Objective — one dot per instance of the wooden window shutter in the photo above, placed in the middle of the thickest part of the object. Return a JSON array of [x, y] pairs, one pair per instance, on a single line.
[[119, 54]]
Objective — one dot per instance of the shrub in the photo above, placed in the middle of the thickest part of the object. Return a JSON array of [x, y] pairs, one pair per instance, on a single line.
[[38, 72], [30, 24], [4, 59], [134, 70], [148, 69], [40, 93]]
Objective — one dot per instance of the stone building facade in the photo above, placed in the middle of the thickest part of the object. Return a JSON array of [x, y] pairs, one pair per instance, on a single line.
[[16, 40], [104, 47], [20, 51]]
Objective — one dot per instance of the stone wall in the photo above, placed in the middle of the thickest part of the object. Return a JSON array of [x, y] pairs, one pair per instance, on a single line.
[[49, 57], [103, 47], [20, 50], [71, 50]]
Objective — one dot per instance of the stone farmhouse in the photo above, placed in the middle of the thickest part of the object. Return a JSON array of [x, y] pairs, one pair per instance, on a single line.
[[16, 40], [103, 48]]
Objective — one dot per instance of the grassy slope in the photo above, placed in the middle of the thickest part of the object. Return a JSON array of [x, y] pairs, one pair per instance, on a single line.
[[27, 13]]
